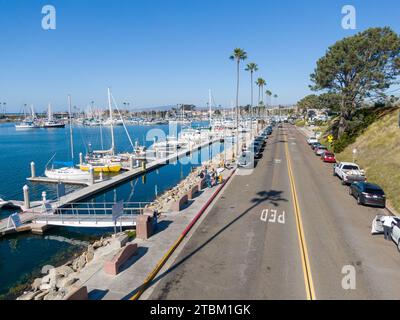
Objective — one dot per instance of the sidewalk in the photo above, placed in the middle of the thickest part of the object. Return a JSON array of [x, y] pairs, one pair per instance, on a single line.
[[105, 287]]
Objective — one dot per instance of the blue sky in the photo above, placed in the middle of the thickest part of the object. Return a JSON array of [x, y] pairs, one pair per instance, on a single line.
[[164, 52]]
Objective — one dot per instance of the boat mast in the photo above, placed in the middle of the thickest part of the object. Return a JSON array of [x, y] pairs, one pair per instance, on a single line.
[[49, 113], [111, 121], [70, 128], [209, 105]]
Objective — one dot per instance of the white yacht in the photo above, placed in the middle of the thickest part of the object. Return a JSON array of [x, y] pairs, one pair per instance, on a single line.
[[27, 124]]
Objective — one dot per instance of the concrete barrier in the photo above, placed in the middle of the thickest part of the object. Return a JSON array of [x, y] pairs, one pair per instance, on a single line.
[[77, 293], [193, 192], [112, 266], [178, 205], [202, 184], [144, 227]]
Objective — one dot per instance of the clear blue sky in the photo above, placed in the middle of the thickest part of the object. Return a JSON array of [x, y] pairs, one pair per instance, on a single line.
[[163, 52]]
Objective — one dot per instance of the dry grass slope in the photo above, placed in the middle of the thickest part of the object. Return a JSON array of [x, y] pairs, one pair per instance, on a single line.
[[379, 154]]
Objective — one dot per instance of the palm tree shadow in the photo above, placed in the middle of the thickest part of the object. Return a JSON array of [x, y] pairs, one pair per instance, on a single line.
[[273, 197]]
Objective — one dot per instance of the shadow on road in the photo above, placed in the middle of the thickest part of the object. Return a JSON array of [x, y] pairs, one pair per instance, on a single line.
[[272, 196]]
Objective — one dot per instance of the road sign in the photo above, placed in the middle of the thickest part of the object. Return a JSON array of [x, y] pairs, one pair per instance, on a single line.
[[117, 210], [330, 138], [14, 221]]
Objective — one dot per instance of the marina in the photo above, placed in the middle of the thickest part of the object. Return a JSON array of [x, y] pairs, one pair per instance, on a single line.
[[141, 182]]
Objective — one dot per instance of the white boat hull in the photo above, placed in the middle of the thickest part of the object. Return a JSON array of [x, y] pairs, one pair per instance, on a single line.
[[67, 174]]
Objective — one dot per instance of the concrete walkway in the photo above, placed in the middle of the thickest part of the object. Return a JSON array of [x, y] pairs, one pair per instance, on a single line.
[[105, 287]]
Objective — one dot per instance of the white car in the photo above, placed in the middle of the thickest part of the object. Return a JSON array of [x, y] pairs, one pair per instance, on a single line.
[[349, 172], [312, 140], [246, 160], [377, 228]]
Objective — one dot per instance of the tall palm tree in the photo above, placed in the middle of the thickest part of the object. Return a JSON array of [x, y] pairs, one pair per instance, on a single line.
[[260, 83], [238, 56], [268, 95], [251, 67]]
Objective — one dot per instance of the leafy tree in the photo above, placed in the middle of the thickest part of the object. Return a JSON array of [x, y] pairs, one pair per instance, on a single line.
[[358, 67]]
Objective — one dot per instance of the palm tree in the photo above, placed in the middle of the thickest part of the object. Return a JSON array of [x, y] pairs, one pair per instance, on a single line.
[[268, 94], [251, 67], [260, 83], [238, 56]]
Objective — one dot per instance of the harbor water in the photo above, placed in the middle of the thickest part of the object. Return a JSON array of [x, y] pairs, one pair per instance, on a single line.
[[23, 256]]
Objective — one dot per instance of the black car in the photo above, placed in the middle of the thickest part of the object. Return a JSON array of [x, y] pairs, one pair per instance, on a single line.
[[368, 194]]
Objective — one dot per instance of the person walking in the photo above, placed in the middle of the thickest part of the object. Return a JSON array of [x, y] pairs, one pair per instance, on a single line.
[[387, 227]]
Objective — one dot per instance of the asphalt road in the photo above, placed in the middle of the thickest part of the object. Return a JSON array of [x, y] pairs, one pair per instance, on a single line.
[[242, 251]]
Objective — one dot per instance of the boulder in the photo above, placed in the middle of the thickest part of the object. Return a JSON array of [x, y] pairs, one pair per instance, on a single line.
[[54, 295], [90, 254], [27, 296], [97, 244], [41, 295], [81, 262], [67, 282], [65, 271], [36, 284], [45, 286]]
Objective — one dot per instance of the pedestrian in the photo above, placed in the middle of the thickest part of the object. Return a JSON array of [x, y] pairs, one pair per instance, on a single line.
[[208, 180], [387, 227]]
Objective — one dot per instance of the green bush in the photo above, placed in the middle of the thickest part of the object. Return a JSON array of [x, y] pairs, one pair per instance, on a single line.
[[361, 120]]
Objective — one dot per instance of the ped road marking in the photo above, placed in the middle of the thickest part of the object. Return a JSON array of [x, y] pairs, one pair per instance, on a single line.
[[300, 232]]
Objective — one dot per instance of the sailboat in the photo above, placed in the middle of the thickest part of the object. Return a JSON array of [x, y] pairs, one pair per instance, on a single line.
[[51, 123], [104, 160], [67, 171]]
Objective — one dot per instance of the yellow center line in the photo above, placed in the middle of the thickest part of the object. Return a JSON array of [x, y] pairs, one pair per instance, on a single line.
[[300, 231]]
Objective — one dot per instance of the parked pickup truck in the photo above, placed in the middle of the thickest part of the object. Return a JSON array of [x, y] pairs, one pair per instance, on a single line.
[[349, 172]]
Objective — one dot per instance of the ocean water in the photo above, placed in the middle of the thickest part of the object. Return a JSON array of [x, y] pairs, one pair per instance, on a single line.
[[23, 256]]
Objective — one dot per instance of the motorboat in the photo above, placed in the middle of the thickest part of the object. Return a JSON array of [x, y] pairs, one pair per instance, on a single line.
[[51, 123], [27, 124]]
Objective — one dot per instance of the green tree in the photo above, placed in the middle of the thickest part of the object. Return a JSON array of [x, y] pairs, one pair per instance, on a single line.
[[251, 67], [238, 55], [358, 67], [260, 83]]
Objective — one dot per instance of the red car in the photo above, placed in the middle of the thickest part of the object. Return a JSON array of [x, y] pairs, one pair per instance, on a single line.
[[328, 157]]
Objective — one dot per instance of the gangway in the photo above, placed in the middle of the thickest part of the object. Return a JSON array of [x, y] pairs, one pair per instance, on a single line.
[[93, 215]]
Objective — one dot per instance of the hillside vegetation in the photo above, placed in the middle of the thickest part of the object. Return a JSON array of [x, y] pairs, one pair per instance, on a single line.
[[379, 154]]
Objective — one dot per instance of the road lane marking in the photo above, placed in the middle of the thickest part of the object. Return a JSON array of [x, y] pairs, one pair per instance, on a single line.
[[300, 232]]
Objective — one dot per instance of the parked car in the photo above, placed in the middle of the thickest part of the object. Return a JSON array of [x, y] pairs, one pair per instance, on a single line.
[[320, 150], [315, 145], [349, 172], [246, 160], [328, 157], [377, 228], [368, 194], [312, 140]]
